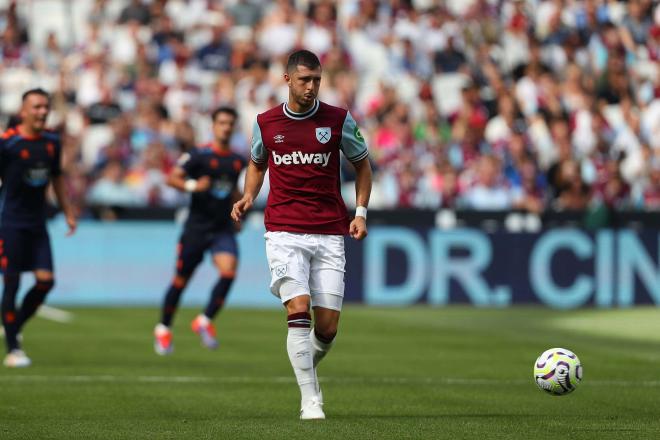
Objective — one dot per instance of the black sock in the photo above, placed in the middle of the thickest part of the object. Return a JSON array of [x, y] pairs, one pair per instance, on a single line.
[[218, 295], [33, 299], [171, 301], [9, 318]]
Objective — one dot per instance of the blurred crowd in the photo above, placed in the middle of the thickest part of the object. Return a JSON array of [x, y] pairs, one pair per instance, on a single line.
[[474, 104]]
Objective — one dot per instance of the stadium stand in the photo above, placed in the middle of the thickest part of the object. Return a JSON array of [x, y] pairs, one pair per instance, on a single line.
[[533, 105]]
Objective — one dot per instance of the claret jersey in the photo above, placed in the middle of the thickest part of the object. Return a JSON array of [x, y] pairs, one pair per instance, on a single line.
[[302, 151]]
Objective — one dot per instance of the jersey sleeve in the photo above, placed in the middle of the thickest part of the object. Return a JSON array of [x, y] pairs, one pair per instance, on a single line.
[[188, 163], [258, 152], [352, 142]]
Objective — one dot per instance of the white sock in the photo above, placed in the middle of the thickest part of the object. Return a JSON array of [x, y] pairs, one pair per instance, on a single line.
[[299, 347], [319, 348]]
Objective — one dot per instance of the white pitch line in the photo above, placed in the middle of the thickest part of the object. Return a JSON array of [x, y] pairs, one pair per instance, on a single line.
[[50, 314], [53, 314], [287, 379]]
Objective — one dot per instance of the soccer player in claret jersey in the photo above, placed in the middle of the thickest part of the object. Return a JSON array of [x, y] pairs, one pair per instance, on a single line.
[[29, 161], [306, 219], [210, 174]]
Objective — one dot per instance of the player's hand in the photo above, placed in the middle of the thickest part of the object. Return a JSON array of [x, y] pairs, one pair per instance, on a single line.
[[240, 208], [72, 223], [203, 184], [358, 228]]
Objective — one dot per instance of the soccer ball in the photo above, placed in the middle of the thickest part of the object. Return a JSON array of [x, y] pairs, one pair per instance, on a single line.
[[558, 371]]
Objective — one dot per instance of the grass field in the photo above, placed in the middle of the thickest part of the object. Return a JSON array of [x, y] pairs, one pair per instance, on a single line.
[[457, 372]]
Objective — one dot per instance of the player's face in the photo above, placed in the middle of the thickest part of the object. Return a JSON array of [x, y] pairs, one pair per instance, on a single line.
[[34, 112], [304, 85], [223, 127]]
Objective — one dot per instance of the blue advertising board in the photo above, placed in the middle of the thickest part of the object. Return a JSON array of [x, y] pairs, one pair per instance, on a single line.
[[131, 263], [561, 268]]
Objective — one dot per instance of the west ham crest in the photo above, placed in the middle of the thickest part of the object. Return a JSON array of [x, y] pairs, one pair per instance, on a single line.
[[280, 270], [323, 134]]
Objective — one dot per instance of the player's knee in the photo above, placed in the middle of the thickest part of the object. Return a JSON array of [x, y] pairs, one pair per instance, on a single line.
[[298, 304], [227, 274], [45, 286], [326, 333], [180, 281], [297, 308]]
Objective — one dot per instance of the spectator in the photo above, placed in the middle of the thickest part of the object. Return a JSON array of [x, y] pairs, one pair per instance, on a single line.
[[572, 193], [216, 55], [651, 196], [245, 13], [450, 59], [135, 11], [489, 192], [111, 189]]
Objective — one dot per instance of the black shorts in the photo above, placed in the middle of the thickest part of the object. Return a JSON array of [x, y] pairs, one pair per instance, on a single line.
[[192, 246], [24, 249]]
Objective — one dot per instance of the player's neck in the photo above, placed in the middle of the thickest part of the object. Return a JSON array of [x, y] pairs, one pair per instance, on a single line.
[[221, 147], [294, 107], [27, 132]]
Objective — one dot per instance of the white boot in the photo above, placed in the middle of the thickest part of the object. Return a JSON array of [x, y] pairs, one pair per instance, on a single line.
[[312, 409], [17, 359]]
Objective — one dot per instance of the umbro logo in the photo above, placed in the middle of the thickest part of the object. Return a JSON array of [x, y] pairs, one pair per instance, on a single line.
[[278, 138]]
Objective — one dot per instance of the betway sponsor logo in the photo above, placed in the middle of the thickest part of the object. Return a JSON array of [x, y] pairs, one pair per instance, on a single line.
[[300, 158]]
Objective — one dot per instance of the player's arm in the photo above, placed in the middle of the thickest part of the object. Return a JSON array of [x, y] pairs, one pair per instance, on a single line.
[[254, 179], [355, 150], [358, 227], [57, 180], [254, 176], [236, 195], [178, 177], [63, 201]]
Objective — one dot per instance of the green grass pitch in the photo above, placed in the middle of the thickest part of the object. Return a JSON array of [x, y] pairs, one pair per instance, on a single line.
[[428, 373]]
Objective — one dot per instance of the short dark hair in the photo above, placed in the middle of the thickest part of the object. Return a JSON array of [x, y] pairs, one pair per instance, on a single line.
[[224, 109], [302, 58], [37, 91]]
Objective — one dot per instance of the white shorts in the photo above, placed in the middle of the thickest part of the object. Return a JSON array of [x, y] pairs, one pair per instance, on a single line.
[[307, 264]]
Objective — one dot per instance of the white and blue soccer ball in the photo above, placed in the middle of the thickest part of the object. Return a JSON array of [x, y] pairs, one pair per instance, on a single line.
[[558, 371]]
